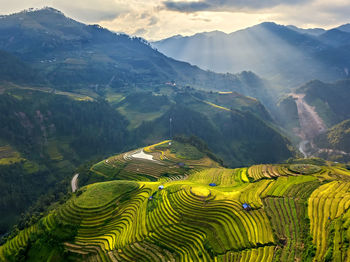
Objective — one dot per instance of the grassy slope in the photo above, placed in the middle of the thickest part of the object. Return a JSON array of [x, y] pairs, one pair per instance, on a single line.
[[191, 220]]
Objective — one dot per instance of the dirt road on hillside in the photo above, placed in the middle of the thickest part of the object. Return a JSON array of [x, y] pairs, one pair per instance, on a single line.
[[74, 183]]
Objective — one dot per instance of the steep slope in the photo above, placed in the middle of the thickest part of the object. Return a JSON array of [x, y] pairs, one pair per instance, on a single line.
[[311, 124], [335, 143], [73, 55], [237, 136], [204, 213], [337, 137], [45, 134], [315, 107], [329, 99], [43, 138], [14, 70], [286, 55], [55, 124]]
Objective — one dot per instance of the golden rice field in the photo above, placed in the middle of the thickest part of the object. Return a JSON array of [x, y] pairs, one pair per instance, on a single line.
[[198, 215]]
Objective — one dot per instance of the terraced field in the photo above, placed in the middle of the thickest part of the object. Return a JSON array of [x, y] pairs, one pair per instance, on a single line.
[[326, 204], [198, 213], [258, 172], [9, 156], [165, 164]]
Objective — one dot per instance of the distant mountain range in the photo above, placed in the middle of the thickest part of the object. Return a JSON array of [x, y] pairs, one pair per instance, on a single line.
[[286, 55], [71, 55]]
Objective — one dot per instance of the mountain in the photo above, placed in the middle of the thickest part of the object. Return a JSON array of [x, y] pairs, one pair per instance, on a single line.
[[286, 55], [172, 201], [335, 142], [43, 138], [345, 28], [335, 38], [45, 134], [71, 55], [317, 112], [236, 134], [309, 31], [329, 99], [14, 70], [83, 92]]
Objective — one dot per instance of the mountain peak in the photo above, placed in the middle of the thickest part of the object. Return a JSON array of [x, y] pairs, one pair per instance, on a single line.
[[45, 10], [344, 28]]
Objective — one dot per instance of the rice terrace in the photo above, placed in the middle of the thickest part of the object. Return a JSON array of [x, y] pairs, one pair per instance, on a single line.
[[178, 204]]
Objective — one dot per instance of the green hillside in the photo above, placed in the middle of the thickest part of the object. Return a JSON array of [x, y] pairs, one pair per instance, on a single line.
[[337, 142], [329, 99], [51, 132], [171, 202], [43, 138], [14, 70], [71, 55]]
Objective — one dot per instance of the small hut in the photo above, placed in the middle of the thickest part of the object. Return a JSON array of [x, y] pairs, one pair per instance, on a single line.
[[212, 184], [246, 207], [161, 187]]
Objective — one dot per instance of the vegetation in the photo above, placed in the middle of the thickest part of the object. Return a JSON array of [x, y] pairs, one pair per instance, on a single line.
[[43, 138], [304, 169], [330, 100], [336, 138], [196, 214]]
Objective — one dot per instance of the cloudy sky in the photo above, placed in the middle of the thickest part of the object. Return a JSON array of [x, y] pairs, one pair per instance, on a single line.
[[157, 19]]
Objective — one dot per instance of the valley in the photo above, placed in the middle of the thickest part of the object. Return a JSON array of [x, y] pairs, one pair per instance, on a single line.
[[111, 149]]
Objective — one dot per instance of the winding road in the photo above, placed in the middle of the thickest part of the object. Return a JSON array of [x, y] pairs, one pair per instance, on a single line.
[[74, 182]]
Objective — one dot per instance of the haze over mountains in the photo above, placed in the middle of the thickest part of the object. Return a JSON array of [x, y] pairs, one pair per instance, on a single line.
[[70, 54], [72, 92], [286, 55], [111, 150]]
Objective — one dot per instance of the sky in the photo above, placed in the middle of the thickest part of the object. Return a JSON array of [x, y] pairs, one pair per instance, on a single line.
[[158, 19]]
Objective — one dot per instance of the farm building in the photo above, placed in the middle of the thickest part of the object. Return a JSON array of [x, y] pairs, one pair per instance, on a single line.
[[246, 207]]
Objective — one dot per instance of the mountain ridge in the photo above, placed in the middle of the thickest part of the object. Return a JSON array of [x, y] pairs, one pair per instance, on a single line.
[[281, 54]]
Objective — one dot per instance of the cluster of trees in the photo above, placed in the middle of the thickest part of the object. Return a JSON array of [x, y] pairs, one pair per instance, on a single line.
[[28, 122]]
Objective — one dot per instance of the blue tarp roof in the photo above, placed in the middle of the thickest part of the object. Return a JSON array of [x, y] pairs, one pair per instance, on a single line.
[[245, 205], [161, 187], [212, 184]]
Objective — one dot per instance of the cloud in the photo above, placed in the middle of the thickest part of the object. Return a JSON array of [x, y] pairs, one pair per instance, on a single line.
[[156, 19], [153, 20], [226, 5], [92, 10], [140, 31]]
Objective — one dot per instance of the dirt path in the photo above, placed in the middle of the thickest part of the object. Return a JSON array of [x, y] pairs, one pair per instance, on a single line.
[[310, 122], [141, 154], [74, 182]]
